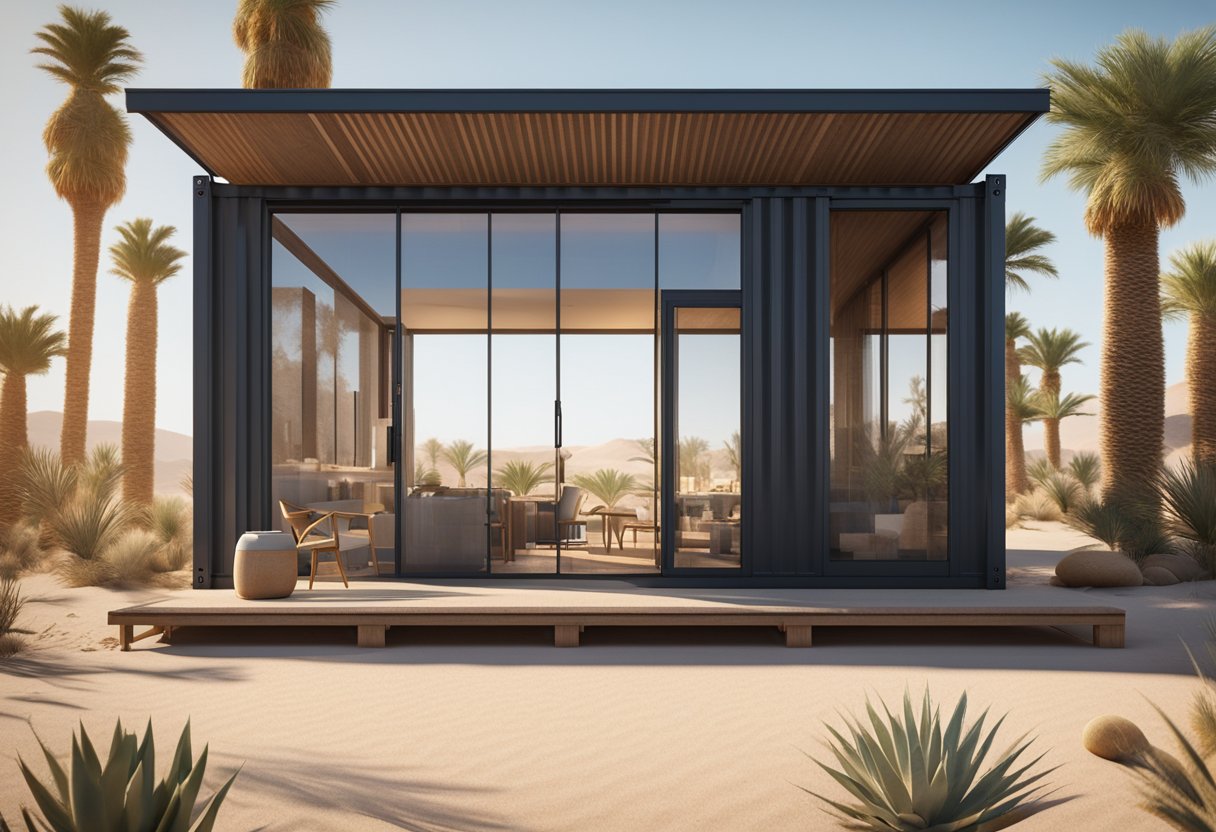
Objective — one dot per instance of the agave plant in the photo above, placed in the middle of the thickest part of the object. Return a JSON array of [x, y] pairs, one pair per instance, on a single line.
[[522, 478], [912, 775], [123, 793], [1086, 468]]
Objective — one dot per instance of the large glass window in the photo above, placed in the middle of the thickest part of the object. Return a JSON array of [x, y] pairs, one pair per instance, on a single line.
[[444, 315], [332, 300], [888, 386]]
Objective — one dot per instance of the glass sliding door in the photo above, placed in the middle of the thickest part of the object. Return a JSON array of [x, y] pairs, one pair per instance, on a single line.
[[445, 393], [703, 448], [607, 461], [333, 311], [523, 369], [888, 444]]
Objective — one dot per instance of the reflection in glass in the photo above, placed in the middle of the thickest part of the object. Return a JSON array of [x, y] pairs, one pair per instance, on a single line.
[[888, 386], [699, 251], [708, 457], [332, 279], [523, 350], [444, 301], [608, 311]]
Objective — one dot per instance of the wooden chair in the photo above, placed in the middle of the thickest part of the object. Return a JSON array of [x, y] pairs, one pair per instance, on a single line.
[[567, 514], [644, 523], [309, 539]]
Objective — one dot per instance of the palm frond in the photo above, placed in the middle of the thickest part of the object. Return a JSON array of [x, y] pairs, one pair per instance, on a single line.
[[1189, 287], [1023, 240], [28, 341], [143, 255]]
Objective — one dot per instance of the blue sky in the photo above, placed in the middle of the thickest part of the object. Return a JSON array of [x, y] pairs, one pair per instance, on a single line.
[[563, 44]]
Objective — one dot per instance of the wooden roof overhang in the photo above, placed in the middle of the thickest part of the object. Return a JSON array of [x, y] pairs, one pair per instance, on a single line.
[[586, 138]]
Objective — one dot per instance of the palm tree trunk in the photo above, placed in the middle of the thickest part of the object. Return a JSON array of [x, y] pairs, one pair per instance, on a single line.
[[13, 440], [1133, 367], [86, 247], [1016, 481], [1050, 387], [1051, 441], [1201, 368], [139, 396]]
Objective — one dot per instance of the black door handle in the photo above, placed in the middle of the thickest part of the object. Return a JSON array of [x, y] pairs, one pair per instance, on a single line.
[[557, 424], [392, 446]]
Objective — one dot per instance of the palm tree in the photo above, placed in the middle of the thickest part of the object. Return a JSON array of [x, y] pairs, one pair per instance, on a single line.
[[521, 478], [433, 449], [1049, 350], [1134, 124], [734, 454], [144, 257], [1055, 408], [461, 456], [28, 342], [1021, 406], [87, 139], [692, 461], [1016, 327], [609, 485], [284, 43], [1189, 288], [1023, 239]]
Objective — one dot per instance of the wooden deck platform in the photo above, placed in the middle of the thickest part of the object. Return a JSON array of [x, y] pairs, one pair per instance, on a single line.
[[569, 613]]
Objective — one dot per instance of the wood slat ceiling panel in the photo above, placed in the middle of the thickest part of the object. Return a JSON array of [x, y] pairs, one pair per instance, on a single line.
[[588, 149]]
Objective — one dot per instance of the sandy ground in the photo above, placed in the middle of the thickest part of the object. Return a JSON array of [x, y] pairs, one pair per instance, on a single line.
[[637, 730]]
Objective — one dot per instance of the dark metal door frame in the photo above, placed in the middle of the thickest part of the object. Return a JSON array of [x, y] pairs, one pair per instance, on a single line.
[[670, 301]]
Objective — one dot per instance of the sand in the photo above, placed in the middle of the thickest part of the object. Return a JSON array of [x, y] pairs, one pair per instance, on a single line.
[[637, 730]]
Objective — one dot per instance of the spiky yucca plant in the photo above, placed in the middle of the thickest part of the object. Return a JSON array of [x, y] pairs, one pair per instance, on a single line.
[[1188, 495], [1039, 471], [912, 775], [122, 794], [1063, 490], [1086, 468]]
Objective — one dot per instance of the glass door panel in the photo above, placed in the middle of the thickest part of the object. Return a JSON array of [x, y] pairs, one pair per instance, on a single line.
[[523, 361], [705, 496], [332, 313], [607, 461], [445, 400]]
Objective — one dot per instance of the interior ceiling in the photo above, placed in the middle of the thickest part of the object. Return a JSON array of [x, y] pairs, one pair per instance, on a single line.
[[568, 148], [863, 242]]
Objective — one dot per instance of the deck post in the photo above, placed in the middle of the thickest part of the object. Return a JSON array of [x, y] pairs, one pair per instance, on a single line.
[[372, 635], [566, 635], [797, 635], [126, 632], [1109, 635]]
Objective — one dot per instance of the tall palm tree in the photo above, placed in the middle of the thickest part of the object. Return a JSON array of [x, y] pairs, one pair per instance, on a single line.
[[1055, 408], [144, 257], [1021, 406], [1016, 328], [87, 138], [462, 456], [1049, 350], [433, 449], [1135, 123], [28, 342], [1189, 288], [284, 43], [692, 459], [1023, 239], [734, 454]]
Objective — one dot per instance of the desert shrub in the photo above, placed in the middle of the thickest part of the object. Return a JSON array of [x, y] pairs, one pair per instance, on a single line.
[[168, 518], [1011, 516], [45, 484], [101, 473], [75, 571], [1039, 471], [19, 550], [11, 603], [1086, 468], [1037, 506], [85, 527], [1062, 490], [911, 774], [134, 557], [1133, 530], [122, 786], [1188, 500]]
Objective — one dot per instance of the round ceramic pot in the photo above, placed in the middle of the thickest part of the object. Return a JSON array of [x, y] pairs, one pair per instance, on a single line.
[[265, 565]]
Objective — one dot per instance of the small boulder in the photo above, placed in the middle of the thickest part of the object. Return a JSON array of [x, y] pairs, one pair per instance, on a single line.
[[1114, 738], [1092, 567], [1183, 567], [1159, 576]]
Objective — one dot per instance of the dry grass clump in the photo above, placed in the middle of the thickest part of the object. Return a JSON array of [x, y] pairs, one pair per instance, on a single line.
[[11, 604], [107, 541], [1037, 505], [1012, 518], [20, 550]]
